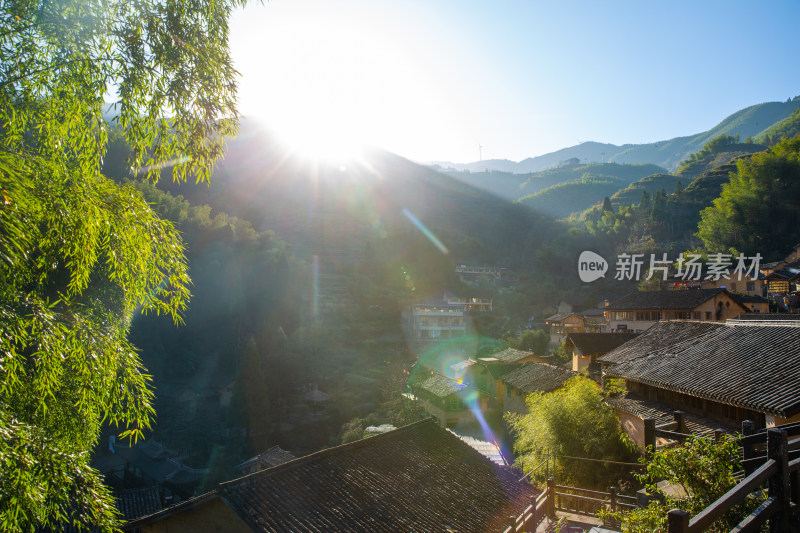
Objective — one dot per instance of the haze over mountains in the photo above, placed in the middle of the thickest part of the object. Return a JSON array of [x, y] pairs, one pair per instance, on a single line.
[[748, 122]]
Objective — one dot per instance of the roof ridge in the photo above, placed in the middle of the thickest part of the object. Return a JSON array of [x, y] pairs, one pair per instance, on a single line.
[[329, 451]]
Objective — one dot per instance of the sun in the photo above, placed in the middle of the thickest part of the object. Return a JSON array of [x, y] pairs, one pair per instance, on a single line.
[[316, 132], [332, 84]]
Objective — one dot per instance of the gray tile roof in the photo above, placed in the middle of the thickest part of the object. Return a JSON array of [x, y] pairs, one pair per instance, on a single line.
[[537, 377], [681, 300], [661, 335], [139, 502], [752, 366], [598, 343], [511, 355], [662, 414], [439, 386], [272, 457], [558, 317], [417, 478], [767, 317]]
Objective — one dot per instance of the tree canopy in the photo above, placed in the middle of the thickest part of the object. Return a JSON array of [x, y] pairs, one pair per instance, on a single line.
[[80, 254], [757, 211], [571, 422]]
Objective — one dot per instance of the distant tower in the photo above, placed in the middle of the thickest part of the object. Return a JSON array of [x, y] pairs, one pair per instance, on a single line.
[[480, 152]]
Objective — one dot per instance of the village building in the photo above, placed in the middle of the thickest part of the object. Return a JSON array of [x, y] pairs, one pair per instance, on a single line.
[[587, 347], [475, 275], [272, 457], [729, 372], [451, 402], [532, 377], [443, 318], [486, 373], [784, 281], [747, 285], [416, 478], [594, 320], [633, 410], [641, 309], [562, 324], [150, 463]]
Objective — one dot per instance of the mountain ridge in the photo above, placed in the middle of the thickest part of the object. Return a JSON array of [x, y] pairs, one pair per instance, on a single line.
[[750, 121]]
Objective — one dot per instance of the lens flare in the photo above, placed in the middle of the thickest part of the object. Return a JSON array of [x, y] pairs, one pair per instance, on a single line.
[[425, 231]]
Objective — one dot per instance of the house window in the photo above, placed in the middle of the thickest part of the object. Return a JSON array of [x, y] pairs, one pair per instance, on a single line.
[[751, 286], [708, 315]]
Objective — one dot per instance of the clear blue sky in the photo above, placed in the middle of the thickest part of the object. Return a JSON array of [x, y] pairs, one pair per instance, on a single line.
[[431, 80]]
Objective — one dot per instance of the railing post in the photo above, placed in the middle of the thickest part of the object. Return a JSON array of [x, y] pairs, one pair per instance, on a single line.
[[612, 492], [512, 523], [551, 497], [748, 428], [778, 484], [718, 434], [680, 421], [649, 437], [677, 521], [534, 520]]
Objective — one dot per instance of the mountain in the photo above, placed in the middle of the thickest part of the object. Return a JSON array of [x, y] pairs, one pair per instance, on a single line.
[[520, 186], [748, 122], [573, 196]]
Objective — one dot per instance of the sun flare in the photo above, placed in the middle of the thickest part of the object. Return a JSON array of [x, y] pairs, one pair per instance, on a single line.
[[329, 88]]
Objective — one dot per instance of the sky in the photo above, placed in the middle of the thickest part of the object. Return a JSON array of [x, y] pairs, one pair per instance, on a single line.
[[442, 80]]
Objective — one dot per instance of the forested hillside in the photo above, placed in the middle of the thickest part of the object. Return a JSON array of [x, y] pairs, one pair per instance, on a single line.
[[753, 121], [747, 205]]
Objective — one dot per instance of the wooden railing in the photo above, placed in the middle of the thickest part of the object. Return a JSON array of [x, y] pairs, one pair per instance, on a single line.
[[675, 430], [754, 444], [532, 516], [780, 476], [568, 499]]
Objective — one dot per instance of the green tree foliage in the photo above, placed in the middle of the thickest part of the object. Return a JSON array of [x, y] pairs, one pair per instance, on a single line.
[[571, 422], [80, 254], [704, 470], [565, 198], [757, 211], [534, 340], [785, 129], [715, 145]]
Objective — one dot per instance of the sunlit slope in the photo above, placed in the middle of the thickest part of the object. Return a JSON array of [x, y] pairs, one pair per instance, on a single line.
[[377, 208]]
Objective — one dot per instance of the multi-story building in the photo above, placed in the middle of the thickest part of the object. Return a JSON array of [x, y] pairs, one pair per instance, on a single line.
[[444, 318]]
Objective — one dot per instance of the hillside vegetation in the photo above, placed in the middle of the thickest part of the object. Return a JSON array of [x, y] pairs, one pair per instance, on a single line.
[[564, 199], [753, 121], [785, 129]]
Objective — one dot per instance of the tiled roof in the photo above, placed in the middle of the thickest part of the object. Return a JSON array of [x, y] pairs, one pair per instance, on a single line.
[[497, 369], [417, 478], [139, 502], [752, 366], [662, 414], [154, 461], [537, 377], [767, 317], [272, 457], [558, 317], [659, 336], [668, 300], [598, 343], [510, 355], [439, 386]]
